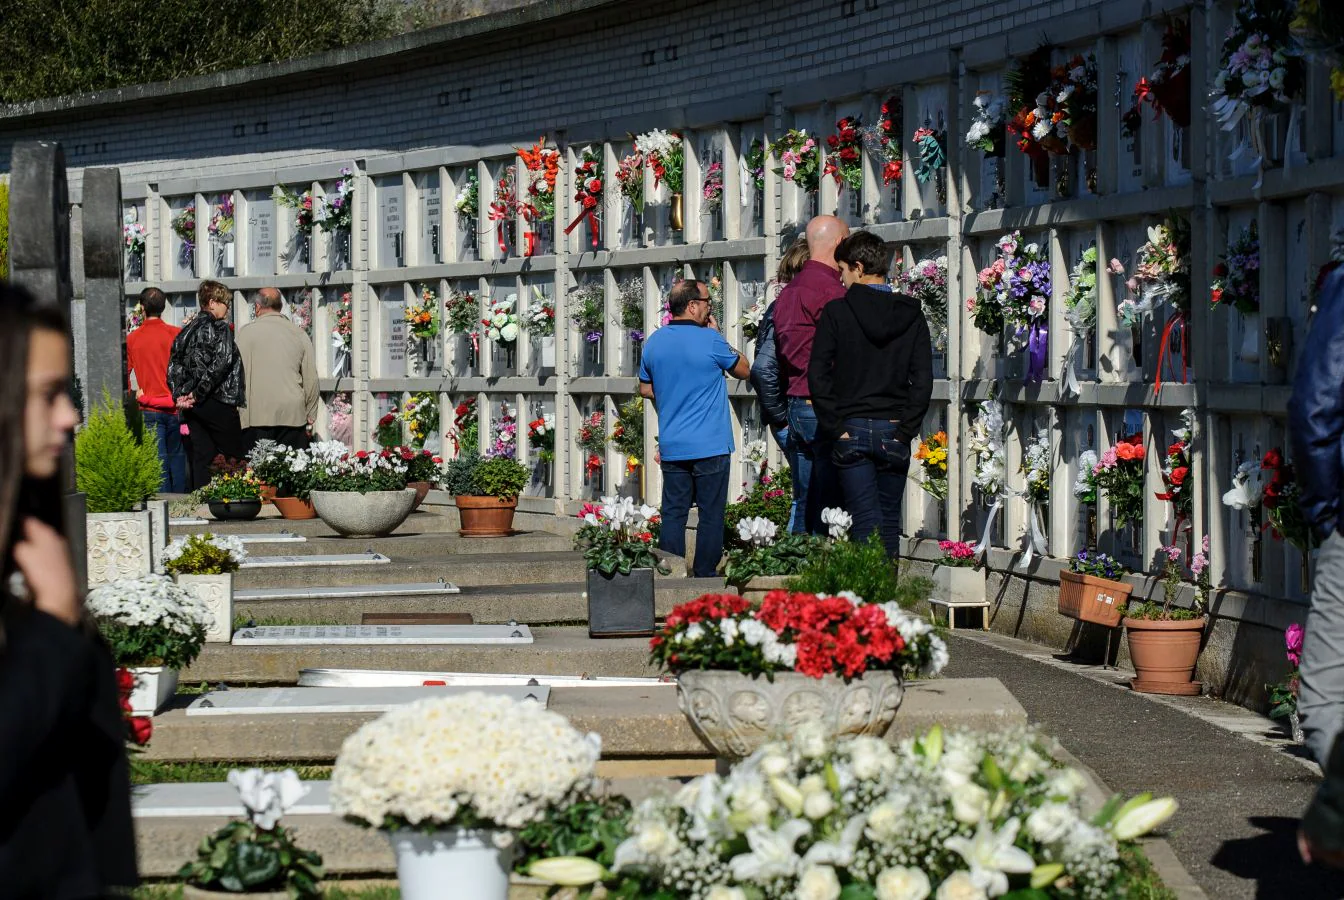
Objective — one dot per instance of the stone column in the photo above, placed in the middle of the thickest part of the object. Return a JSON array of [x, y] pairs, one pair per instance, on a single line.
[[104, 293]]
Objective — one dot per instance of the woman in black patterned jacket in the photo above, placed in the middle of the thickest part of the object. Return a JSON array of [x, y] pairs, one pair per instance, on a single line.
[[205, 374]]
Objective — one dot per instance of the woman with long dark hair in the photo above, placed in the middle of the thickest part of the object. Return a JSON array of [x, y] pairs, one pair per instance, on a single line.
[[65, 816]]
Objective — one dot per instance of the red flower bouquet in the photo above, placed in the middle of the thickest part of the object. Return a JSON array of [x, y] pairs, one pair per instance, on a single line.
[[843, 159], [1280, 502], [889, 136]]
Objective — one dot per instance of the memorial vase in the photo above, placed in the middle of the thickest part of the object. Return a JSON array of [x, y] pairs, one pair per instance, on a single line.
[[154, 687], [216, 592], [734, 713], [466, 860], [621, 605]]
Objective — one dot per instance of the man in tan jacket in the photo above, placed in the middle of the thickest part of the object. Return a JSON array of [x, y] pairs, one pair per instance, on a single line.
[[281, 377]]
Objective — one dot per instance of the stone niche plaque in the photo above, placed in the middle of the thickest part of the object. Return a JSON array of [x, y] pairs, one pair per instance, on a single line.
[[391, 222], [431, 218], [392, 348], [322, 635], [261, 235]]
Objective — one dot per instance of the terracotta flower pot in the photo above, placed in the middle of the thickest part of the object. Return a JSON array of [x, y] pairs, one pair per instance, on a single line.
[[294, 508], [1164, 654], [268, 493], [421, 491], [1088, 598], [486, 516]]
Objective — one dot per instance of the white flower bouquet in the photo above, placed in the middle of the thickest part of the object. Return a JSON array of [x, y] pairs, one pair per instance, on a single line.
[[150, 621], [954, 817], [474, 761], [204, 554], [501, 322], [539, 317]]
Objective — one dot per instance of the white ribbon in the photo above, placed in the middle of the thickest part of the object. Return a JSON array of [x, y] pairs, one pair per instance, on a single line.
[[1296, 110], [341, 355], [745, 187], [1036, 542], [1079, 320], [989, 525]]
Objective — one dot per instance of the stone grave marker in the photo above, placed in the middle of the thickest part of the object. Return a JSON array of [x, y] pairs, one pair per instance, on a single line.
[[321, 559], [319, 677], [268, 537], [190, 520], [104, 292], [337, 592], [216, 798], [326, 635], [317, 700]]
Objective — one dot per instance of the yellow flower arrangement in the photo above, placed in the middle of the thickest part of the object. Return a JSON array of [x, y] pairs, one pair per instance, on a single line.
[[932, 456], [423, 316]]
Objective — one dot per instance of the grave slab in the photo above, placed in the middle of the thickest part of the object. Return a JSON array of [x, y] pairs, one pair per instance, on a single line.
[[271, 537], [323, 559], [194, 799], [299, 700], [325, 635], [345, 591], [190, 520], [417, 619], [353, 678]]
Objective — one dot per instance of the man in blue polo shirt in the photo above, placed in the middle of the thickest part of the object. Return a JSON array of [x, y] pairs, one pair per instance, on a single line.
[[682, 373]]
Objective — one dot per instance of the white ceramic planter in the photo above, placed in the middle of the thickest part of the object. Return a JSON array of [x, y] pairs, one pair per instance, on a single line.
[[547, 346], [960, 585], [374, 514], [119, 545], [216, 591], [154, 686], [734, 714], [455, 863]]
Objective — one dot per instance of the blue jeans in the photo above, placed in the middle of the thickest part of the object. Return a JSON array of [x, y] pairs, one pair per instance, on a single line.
[[782, 439], [167, 429], [703, 482], [814, 484], [872, 463]]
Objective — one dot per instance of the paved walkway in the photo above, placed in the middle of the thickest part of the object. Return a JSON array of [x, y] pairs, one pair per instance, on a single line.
[[1240, 798]]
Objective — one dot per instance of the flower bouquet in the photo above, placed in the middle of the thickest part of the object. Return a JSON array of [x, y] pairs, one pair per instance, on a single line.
[[630, 178], [888, 140], [542, 165], [799, 159], [423, 316], [466, 426], [504, 434], [930, 145], [1162, 273], [843, 160], [258, 854], [711, 188], [767, 657], [539, 318], [1034, 119], [541, 437], [751, 318], [1013, 297], [663, 152], [589, 304], [339, 208], [592, 441], [461, 312], [754, 163], [341, 418], [1236, 279], [221, 224], [342, 334], [468, 199], [135, 318], [932, 456], [762, 552], [1036, 470], [1075, 94], [617, 539], [1283, 694], [1167, 88], [1261, 68], [630, 302], [926, 281], [986, 442], [184, 226], [451, 778], [965, 815], [154, 627], [1177, 474], [134, 235], [627, 436], [503, 209], [1280, 501], [987, 131], [304, 220], [588, 192], [1119, 475], [387, 433], [501, 321], [420, 415]]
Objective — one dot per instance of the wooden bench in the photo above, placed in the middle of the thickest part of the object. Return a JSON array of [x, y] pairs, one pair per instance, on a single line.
[[952, 607]]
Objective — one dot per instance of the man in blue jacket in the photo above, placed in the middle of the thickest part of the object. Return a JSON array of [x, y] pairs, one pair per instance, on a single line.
[[1316, 428]]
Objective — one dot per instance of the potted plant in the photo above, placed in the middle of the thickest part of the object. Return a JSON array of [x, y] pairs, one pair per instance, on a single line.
[[362, 494], [256, 856], [1283, 695], [295, 474], [204, 564], [233, 496], [1091, 590], [762, 561], [118, 472], [504, 764], [1164, 640], [956, 577], [486, 493], [617, 540], [422, 472], [948, 816], [153, 627], [268, 461], [837, 662]]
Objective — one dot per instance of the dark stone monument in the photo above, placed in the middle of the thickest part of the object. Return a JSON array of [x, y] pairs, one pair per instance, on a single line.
[[104, 292]]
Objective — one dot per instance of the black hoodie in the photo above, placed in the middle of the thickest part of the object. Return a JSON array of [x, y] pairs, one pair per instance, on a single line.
[[871, 359]]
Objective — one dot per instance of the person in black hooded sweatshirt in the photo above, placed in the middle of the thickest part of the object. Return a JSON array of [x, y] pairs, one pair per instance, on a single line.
[[871, 376]]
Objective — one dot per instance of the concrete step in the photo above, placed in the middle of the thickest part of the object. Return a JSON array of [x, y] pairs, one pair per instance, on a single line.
[[494, 568], [564, 650], [536, 604], [417, 545], [425, 520]]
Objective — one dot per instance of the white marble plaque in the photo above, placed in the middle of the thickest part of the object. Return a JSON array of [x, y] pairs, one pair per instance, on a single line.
[[394, 337], [193, 520], [409, 589], [279, 537], [431, 218], [321, 559], [311, 700], [310, 635], [260, 234], [391, 224], [200, 799], [388, 678]]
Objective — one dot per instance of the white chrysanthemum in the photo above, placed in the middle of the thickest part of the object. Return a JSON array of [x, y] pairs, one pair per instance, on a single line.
[[150, 601], [226, 542], [505, 760]]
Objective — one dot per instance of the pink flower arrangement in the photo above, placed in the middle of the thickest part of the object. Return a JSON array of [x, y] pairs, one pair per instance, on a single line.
[[959, 554], [713, 187], [1292, 639]]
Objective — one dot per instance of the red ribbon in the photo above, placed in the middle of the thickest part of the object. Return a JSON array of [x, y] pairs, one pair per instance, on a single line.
[[1177, 318], [500, 215], [592, 224]]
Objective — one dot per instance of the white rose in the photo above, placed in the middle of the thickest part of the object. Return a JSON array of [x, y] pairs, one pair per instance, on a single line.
[[969, 802], [818, 805], [884, 821], [1050, 822], [818, 883], [509, 332], [960, 886], [774, 765], [1027, 765], [499, 320], [720, 892], [657, 841], [901, 883]]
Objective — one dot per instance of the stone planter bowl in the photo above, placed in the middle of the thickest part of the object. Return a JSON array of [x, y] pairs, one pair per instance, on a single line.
[[375, 514], [191, 892], [735, 714]]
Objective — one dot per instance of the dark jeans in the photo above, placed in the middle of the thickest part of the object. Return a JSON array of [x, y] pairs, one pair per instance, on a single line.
[[872, 463], [167, 430], [213, 430], [703, 482], [292, 436], [814, 478]]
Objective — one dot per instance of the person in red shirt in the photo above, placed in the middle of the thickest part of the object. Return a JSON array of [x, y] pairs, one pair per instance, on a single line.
[[796, 313], [147, 351]]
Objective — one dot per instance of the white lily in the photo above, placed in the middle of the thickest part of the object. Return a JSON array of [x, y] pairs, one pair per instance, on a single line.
[[1248, 486], [772, 855], [1135, 822], [267, 795], [568, 871], [839, 852], [992, 856]]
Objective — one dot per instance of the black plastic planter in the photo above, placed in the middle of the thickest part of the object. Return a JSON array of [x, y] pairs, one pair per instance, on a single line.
[[620, 605]]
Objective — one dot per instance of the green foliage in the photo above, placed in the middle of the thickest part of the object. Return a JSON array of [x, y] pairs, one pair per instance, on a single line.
[[201, 557], [789, 555], [4, 230], [863, 568], [52, 49], [231, 487], [243, 858], [1153, 611], [114, 469], [771, 498], [501, 477], [628, 434], [459, 475], [591, 828], [136, 646]]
